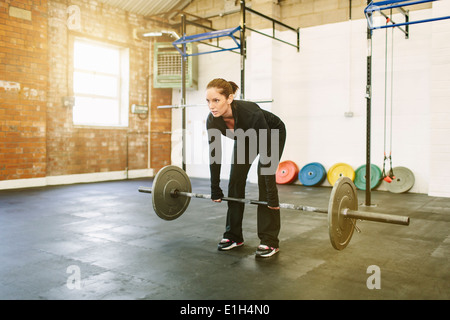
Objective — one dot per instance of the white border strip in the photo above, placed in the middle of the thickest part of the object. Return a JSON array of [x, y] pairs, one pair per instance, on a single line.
[[75, 178]]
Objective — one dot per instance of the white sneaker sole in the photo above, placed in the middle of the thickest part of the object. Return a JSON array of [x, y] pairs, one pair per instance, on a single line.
[[267, 255], [232, 246]]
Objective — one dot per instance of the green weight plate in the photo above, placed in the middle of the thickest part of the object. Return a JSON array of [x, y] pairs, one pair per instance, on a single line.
[[360, 177], [166, 205], [340, 228], [403, 181]]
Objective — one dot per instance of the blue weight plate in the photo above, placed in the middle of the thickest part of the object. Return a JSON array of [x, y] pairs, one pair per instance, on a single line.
[[312, 174]]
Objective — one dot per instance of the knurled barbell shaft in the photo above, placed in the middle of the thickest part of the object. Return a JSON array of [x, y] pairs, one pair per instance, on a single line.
[[250, 201], [247, 201], [354, 214]]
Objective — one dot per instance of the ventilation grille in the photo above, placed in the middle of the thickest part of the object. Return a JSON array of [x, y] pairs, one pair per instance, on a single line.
[[167, 67]]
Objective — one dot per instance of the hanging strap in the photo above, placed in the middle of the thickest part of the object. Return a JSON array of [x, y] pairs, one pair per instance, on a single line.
[[388, 177], [383, 173], [391, 171]]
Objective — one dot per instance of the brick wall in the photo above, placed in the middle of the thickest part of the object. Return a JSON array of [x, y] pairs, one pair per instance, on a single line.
[[23, 88], [76, 149], [37, 134], [439, 178], [161, 119], [161, 127]]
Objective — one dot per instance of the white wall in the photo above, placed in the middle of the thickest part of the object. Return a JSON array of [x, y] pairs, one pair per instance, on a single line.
[[439, 176], [313, 88]]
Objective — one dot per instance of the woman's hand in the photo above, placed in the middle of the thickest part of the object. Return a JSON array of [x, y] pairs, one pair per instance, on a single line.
[[217, 200], [274, 208]]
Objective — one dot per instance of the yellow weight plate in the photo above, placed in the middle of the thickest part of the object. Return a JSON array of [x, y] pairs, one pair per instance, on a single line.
[[339, 170]]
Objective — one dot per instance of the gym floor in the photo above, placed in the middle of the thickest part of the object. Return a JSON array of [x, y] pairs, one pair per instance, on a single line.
[[103, 241]]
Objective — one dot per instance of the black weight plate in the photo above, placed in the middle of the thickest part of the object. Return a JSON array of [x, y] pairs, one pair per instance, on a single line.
[[166, 205], [340, 228]]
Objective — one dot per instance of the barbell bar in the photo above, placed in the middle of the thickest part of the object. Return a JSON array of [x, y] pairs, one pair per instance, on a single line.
[[172, 191], [176, 193], [180, 106]]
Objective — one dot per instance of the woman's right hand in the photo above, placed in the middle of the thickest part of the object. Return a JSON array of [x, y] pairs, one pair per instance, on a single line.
[[216, 194]]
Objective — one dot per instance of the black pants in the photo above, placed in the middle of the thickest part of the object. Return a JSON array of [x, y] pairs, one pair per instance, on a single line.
[[268, 224]]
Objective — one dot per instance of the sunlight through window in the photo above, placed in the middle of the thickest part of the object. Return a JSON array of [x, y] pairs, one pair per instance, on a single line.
[[100, 84]]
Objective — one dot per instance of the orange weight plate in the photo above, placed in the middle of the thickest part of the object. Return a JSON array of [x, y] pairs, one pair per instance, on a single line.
[[287, 172]]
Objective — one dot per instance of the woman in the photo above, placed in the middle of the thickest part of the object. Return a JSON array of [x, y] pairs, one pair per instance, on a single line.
[[229, 116]]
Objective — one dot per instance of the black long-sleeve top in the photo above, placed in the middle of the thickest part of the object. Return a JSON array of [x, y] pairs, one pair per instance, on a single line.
[[247, 115]]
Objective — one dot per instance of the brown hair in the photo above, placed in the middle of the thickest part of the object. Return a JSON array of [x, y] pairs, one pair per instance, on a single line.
[[225, 87]]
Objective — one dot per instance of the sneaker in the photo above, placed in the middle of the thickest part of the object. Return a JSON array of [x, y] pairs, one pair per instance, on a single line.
[[264, 251], [226, 244]]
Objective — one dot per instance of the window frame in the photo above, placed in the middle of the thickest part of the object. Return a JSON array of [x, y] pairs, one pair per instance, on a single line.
[[123, 78]]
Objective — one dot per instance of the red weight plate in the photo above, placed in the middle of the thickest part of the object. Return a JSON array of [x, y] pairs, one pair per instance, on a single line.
[[287, 172]]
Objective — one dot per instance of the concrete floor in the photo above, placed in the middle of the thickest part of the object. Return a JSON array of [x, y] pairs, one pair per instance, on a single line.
[[106, 238]]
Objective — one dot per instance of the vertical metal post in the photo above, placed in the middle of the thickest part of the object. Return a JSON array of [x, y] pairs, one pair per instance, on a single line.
[[369, 108], [243, 49], [407, 26], [350, 10], [183, 93]]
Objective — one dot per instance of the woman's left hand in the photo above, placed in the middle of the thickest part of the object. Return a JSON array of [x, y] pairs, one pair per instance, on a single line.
[[274, 208]]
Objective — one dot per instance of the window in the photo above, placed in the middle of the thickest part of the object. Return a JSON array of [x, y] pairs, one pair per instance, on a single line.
[[100, 84]]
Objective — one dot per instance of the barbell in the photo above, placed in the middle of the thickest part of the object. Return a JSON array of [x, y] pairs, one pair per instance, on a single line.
[[181, 106], [172, 191]]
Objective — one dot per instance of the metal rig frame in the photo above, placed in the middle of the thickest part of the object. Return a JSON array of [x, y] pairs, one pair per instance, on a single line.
[[216, 34], [368, 11]]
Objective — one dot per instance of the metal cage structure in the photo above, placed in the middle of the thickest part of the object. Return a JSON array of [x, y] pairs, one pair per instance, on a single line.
[[239, 43], [381, 7]]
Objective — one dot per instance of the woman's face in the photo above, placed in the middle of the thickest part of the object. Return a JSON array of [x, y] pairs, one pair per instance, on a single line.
[[218, 104]]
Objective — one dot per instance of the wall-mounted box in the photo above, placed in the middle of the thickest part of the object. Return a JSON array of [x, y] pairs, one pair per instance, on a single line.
[[167, 66], [139, 109]]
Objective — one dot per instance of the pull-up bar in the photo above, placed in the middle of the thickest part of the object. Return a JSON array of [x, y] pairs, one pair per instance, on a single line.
[[238, 41], [274, 23], [396, 4], [207, 36], [180, 106]]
